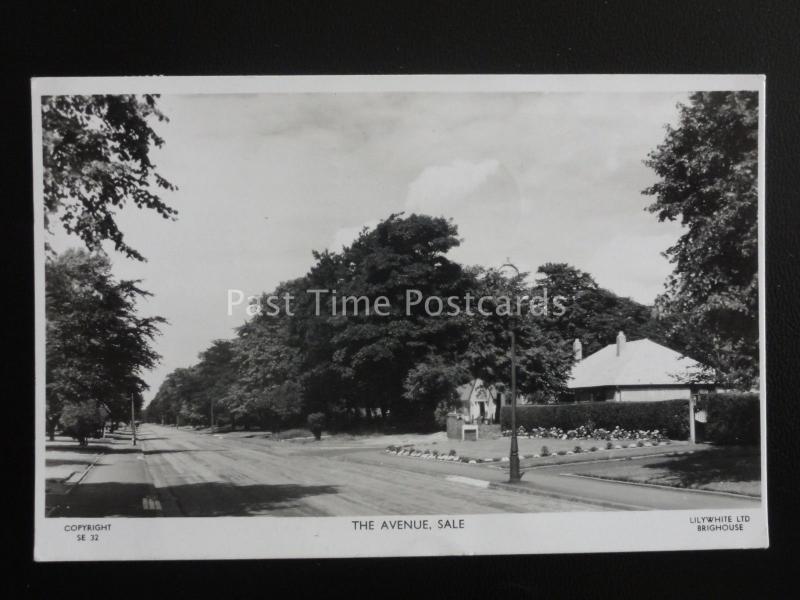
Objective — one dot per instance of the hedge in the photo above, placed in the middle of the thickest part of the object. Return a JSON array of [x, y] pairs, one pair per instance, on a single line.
[[671, 417], [732, 417]]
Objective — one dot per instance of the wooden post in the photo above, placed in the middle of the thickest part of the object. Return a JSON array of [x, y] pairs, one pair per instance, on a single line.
[[692, 436]]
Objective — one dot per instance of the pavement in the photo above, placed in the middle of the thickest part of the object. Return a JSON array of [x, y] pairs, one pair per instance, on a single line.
[[108, 478], [176, 472]]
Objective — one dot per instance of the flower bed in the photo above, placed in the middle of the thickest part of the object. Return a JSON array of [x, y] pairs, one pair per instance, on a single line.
[[670, 417], [452, 456], [588, 433]]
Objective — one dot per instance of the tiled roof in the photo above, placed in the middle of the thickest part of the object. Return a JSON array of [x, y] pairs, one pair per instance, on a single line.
[[642, 362]]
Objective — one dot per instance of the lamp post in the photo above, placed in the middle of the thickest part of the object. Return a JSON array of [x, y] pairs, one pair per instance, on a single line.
[[514, 474], [133, 421]]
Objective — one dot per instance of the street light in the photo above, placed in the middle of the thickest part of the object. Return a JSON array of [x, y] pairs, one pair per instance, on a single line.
[[133, 421], [514, 474]]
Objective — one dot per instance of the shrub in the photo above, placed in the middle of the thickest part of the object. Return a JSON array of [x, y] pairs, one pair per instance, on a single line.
[[440, 414], [578, 449], [732, 417], [316, 421], [545, 451], [80, 420], [671, 416], [561, 452], [593, 449], [609, 445], [288, 434]]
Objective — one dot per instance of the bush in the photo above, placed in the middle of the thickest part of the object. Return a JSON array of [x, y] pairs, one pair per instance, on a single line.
[[670, 417], [81, 420], [440, 414], [609, 445], [288, 434], [732, 418], [545, 451], [316, 421]]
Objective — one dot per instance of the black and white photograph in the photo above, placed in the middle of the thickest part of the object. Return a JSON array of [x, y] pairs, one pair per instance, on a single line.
[[286, 317]]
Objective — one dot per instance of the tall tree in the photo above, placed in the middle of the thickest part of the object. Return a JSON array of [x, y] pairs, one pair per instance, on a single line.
[[707, 168], [96, 158], [593, 314], [366, 357], [544, 357], [216, 373], [433, 383], [266, 389], [178, 399], [96, 344]]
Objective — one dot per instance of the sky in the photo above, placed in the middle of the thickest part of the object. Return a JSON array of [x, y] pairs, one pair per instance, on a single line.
[[265, 179]]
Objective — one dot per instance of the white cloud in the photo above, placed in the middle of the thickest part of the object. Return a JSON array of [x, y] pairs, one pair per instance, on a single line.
[[345, 236], [632, 265], [530, 177], [441, 187]]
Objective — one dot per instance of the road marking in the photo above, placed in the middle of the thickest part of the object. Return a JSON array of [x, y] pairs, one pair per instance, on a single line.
[[468, 481], [151, 503]]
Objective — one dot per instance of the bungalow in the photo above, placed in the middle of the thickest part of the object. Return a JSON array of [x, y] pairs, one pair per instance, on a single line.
[[634, 371]]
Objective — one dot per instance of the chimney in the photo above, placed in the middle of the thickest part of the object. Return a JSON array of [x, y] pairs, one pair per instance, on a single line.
[[620, 343], [577, 349]]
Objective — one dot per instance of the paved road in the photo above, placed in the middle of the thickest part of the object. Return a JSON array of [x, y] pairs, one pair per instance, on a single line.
[[185, 473], [198, 474], [559, 481]]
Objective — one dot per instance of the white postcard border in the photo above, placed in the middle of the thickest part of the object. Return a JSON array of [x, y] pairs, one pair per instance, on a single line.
[[331, 537]]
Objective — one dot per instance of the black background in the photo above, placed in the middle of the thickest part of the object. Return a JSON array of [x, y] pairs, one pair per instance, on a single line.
[[560, 36]]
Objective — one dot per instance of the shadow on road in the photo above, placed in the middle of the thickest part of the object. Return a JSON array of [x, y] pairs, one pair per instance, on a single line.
[[59, 462], [179, 450], [92, 449], [715, 465], [213, 499], [102, 500]]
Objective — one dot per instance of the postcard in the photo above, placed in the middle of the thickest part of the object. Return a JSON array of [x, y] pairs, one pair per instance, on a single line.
[[367, 316]]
